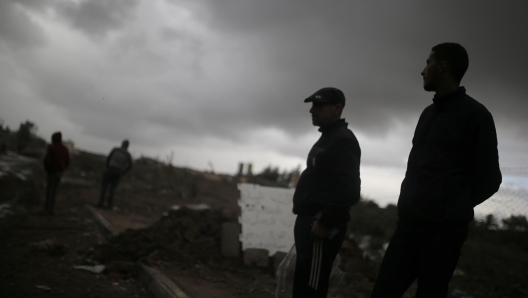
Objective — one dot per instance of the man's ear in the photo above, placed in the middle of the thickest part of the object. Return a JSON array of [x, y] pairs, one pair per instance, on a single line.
[[339, 108], [443, 66]]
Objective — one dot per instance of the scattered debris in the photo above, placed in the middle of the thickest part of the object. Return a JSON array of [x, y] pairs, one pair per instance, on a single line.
[[365, 242], [458, 272], [5, 209], [97, 269], [198, 207], [51, 246], [286, 271], [43, 245], [187, 234], [195, 207], [124, 268]]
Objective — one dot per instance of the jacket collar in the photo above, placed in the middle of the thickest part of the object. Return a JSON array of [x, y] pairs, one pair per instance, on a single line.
[[330, 127], [444, 99]]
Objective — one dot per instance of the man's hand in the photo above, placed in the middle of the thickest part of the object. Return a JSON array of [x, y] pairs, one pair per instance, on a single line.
[[318, 232]]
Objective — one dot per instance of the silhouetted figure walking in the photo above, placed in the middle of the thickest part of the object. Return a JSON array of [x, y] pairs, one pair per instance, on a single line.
[[118, 163], [56, 161], [453, 166]]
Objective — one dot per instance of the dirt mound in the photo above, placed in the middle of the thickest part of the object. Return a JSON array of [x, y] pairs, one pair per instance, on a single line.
[[185, 234]]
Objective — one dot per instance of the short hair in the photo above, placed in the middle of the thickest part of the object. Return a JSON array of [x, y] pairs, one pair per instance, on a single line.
[[455, 56], [125, 144]]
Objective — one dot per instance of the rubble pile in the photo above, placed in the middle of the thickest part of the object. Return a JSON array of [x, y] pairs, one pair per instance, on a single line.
[[184, 234]]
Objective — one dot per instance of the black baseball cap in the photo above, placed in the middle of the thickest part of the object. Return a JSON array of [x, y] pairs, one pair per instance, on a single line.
[[327, 95]]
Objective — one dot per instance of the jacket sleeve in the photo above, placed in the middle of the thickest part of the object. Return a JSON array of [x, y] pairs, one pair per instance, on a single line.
[[109, 157], [345, 164], [129, 163], [485, 174]]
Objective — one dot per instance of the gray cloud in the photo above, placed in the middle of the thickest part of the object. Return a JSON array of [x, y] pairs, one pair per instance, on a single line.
[[16, 28], [93, 17], [236, 70], [97, 17], [374, 52]]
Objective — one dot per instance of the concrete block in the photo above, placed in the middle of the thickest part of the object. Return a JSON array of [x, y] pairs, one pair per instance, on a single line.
[[256, 257], [103, 224], [160, 284], [230, 240], [277, 259]]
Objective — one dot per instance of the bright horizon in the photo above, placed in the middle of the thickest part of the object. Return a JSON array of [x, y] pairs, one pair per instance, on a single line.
[[225, 83]]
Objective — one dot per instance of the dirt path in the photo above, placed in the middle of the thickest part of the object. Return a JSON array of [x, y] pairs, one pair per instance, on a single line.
[[121, 221], [38, 253]]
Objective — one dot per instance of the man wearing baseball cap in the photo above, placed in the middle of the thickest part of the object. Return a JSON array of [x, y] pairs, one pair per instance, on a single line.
[[326, 190]]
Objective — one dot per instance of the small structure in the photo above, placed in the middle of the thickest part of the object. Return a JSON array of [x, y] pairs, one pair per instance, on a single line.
[[240, 169], [71, 147], [249, 170]]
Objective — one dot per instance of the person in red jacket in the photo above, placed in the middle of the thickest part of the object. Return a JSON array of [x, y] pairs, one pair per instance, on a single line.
[[56, 161]]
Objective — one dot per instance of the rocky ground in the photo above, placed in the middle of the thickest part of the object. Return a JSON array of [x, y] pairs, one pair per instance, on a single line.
[[38, 252]]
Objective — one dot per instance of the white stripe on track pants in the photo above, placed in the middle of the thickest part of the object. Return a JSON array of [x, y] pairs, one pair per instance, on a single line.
[[314, 259]]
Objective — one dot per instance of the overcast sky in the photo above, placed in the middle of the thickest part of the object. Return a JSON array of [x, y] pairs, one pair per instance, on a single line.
[[224, 81]]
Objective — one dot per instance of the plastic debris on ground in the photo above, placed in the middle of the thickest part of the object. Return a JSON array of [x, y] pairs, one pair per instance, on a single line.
[[5, 209], [97, 269], [194, 207], [286, 271]]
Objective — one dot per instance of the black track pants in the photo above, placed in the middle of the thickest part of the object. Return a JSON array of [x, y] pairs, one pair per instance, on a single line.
[[314, 259], [429, 256]]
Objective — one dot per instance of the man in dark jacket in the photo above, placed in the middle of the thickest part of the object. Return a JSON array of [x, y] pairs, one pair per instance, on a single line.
[[325, 191], [118, 163], [56, 161], [453, 166]]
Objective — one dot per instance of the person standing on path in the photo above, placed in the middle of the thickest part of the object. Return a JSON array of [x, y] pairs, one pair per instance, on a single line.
[[56, 161], [118, 163], [326, 190], [453, 166]]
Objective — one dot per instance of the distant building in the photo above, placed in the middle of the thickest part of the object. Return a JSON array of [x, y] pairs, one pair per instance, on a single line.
[[249, 170], [240, 169], [71, 147]]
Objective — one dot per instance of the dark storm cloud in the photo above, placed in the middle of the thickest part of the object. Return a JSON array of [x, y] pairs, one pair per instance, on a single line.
[[93, 17], [236, 68], [375, 52], [35, 5], [171, 34], [17, 28], [184, 40], [97, 17], [90, 104]]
